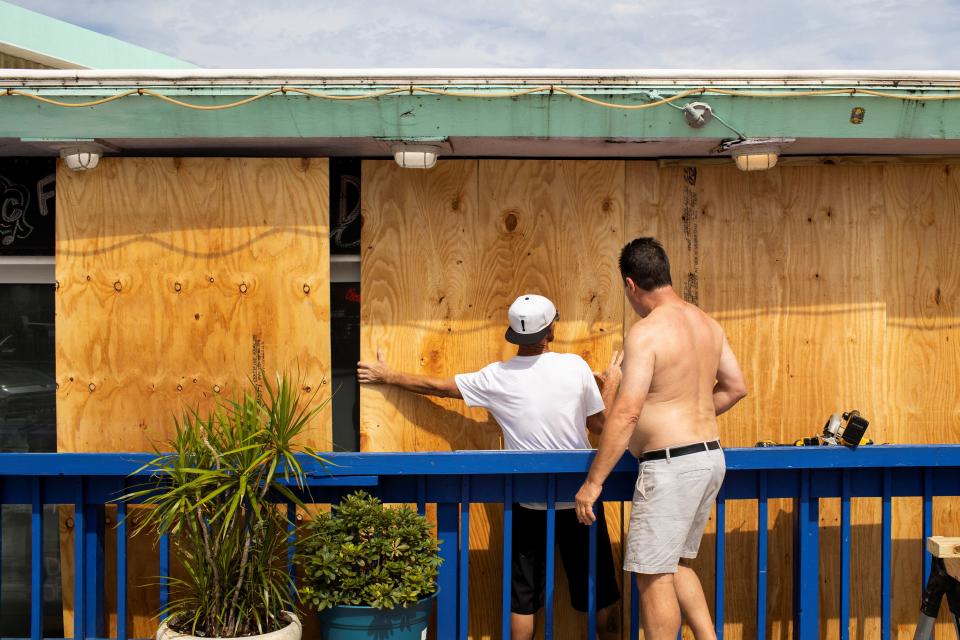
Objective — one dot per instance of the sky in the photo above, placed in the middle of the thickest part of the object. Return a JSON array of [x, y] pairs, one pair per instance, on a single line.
[[647, 34]]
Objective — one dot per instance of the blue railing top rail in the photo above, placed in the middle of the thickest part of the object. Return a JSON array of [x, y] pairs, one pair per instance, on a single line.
[[453, 480], [508, 462]]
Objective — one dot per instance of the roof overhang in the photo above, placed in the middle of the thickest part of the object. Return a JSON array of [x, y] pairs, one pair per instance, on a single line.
[[38, 38], [478, 112]]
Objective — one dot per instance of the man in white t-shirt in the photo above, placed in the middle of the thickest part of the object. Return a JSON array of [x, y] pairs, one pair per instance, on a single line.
[[542, 401]]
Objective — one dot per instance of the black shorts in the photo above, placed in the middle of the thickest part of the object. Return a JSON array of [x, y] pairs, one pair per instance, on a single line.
[[529, 560]]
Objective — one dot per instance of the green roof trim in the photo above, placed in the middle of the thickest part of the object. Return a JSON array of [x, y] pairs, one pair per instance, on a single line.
[[244, 110], [419, 116], [34, 36]]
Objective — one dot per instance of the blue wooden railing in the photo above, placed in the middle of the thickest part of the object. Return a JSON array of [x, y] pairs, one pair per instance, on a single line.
[[454, 481]]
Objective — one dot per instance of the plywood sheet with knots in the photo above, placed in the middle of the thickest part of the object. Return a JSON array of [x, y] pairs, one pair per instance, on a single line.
[[178, 280]]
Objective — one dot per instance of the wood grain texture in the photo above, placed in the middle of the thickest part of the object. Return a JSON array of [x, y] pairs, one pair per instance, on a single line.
[[424, 276], [176, 279], [837, 286], [445, 252], [944, 547], [837, 289], [921, 359]]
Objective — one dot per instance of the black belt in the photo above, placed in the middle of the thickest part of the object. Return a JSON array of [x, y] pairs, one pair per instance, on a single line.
[[661, 454]]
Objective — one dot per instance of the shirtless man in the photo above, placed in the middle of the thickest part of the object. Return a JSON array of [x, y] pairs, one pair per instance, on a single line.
[[679, 374]]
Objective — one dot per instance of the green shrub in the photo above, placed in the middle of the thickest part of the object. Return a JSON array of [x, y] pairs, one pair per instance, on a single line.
[[363, 553]]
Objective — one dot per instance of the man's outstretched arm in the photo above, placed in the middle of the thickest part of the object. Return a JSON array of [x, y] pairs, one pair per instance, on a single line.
[[380, 373], [638, 372], [731, 386]]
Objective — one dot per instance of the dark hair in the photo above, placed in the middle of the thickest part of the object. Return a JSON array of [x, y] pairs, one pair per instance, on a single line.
[[645, 262]]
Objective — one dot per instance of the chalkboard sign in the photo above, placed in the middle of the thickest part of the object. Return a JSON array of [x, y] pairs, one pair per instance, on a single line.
[[27, 206], [345, 206]]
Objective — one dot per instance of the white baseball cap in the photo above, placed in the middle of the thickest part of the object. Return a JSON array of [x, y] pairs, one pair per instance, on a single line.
[[530, 318]]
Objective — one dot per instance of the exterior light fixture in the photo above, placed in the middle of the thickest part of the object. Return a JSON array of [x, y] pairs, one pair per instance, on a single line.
[[756, 160], [416, 156], [81, 158], [755, 154]]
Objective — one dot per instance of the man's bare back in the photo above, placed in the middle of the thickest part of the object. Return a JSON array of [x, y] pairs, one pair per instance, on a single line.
[[679, 407], [679, 374]]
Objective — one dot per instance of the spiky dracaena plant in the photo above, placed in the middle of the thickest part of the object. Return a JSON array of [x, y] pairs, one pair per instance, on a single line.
[[211, 494]]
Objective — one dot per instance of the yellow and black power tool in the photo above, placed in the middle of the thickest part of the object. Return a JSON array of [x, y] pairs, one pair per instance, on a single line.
[[847, 431]]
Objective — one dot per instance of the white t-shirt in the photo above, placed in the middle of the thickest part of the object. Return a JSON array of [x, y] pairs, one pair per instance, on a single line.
[[540, 402]]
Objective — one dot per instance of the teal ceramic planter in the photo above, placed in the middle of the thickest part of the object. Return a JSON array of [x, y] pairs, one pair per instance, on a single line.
[[366, 623]]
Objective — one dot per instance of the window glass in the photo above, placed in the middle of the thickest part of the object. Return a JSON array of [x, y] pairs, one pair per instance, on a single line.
[[345, 300], [27, 383], [27, 424]]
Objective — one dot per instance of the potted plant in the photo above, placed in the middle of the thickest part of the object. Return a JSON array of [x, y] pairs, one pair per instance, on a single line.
[[214, 493], [370, 570]]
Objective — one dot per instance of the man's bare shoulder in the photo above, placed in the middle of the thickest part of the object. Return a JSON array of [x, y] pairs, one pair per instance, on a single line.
[[644, 332], [714, 324], [662, 319]]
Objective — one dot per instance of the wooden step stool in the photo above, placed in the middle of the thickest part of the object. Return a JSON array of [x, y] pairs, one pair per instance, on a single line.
[[944, 581]]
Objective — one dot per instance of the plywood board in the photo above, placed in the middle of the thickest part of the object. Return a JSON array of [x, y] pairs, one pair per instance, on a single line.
[[920, 356], [177, 279], [806, 269], [445, 252]]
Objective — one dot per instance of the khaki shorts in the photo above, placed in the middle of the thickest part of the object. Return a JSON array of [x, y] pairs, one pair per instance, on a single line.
[[672, 502]]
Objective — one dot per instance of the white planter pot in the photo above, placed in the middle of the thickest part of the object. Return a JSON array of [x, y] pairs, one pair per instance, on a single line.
[[292, 631]]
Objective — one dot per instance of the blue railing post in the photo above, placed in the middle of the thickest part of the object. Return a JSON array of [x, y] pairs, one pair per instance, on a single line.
[[720, 562], [36, 560], [93, 522], [551, 556], [421, 495], [885, 550], [292, 547], [592, 578], [845, 556], [927, 525], [464, 586], [122, 571], [164, 576], [448, 523], [807, 582], [79, 561], [762, 526], [507, 554]]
